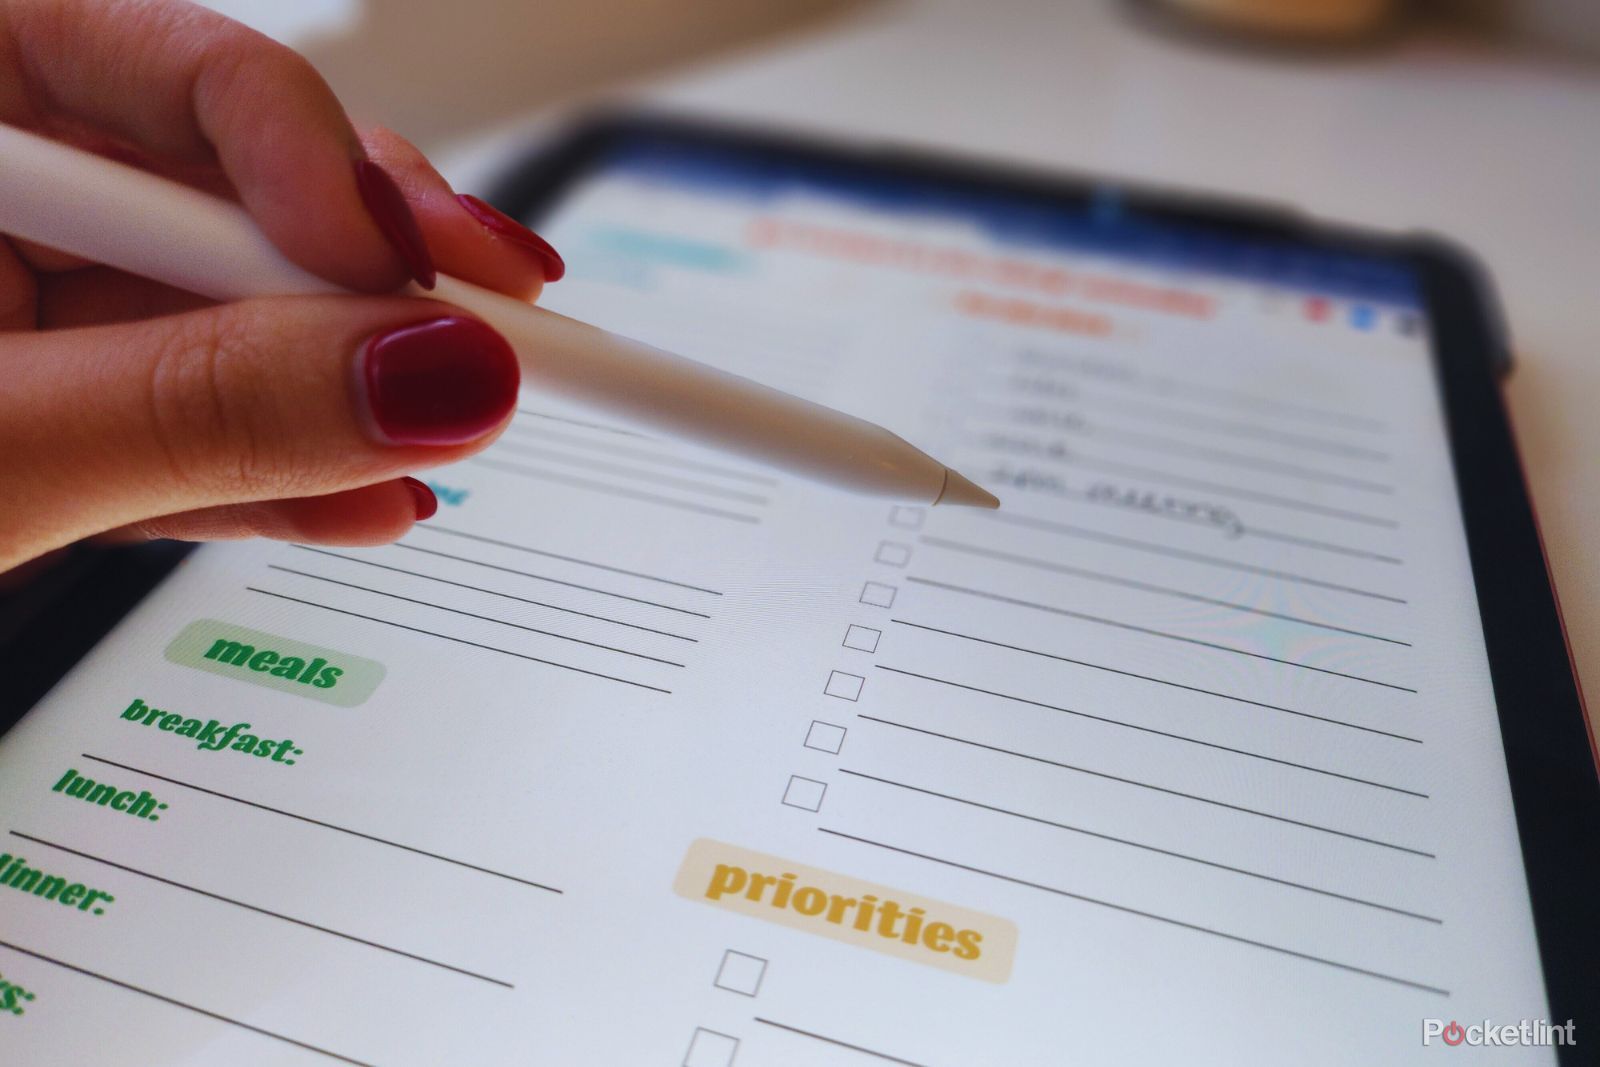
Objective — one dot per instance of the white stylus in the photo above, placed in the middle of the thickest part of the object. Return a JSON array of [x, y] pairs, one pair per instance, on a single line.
[[81, 203]]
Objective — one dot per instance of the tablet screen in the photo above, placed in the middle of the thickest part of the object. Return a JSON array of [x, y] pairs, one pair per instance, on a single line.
[[637, 753]]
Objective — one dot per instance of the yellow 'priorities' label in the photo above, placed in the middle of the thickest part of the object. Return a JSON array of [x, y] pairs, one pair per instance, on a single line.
[[847, 909]]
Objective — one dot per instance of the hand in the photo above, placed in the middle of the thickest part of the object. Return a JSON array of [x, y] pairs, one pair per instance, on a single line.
[[132, 410]]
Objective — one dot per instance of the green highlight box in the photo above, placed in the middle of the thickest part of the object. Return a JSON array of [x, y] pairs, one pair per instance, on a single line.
[[281, 663]]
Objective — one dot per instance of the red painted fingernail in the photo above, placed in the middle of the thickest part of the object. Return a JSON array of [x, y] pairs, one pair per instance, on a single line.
[[444, 381], [502, 225], [388, 208], [425, 501]]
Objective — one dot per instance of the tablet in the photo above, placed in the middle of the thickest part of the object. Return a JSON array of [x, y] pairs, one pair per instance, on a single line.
[[1243, 733]]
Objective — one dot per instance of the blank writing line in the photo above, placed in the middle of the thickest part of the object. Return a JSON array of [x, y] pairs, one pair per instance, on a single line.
[[649, 457], [1178, 553], [1325, 546], [1150, 786], [458, 640], [261, 911], [546, 578], [835, 1041], [318, 822], [1149, 730], [432, 528], [578, 422], [1126, 910], [1131, 583], [495, 592], [1152, 848], [1211, 693], [1230, 428], [622, 470], [181, 1004], [473, 615], [1159, 633], [612, 490]]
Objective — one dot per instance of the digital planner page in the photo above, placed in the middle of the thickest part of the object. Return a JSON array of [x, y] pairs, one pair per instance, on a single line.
[[638, 754]]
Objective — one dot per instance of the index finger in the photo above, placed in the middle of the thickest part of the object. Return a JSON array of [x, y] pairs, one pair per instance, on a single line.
[[189, 86]]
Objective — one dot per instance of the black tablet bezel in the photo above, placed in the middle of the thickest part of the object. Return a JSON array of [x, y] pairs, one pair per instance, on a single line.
[[1550, 754]]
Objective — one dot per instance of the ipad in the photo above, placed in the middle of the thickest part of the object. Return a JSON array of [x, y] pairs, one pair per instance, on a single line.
[[1243, 733]]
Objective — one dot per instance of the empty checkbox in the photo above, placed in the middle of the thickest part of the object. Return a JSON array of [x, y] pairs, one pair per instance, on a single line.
[[844, 686], [878, 595], [740, 973], [906, 518], [894, 553], [862, 638], [804, 793], [825, 737], [708, 1048]]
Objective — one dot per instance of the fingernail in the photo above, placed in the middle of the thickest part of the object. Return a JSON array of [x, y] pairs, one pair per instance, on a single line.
[[444, 381], [502, 225], [388, 208], [426, 502]]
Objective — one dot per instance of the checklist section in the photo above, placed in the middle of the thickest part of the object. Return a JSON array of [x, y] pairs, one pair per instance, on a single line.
[[862, 638], [907, 518], [804, 793], [740, 973], [844, 686], [825, 736]]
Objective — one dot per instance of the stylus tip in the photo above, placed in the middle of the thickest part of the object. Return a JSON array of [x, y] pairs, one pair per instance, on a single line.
[[963, 492]]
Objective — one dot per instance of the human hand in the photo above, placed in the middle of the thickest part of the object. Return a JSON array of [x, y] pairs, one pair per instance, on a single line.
[[132, 410]]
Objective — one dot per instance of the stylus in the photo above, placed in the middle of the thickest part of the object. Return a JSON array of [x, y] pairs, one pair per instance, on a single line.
[[111, 213]]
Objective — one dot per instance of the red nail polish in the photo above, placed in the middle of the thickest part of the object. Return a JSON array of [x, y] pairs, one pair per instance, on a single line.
[[502, 225], [426, 503], [444, 381], [388, 208]]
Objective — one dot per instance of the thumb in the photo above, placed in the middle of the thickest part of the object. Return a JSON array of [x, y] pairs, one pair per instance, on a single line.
[[256, 400]]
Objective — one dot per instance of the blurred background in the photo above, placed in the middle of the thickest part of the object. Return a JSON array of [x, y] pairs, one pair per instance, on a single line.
[[1478, 119]]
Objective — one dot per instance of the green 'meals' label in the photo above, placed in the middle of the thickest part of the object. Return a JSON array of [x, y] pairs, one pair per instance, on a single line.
[[281, 663]]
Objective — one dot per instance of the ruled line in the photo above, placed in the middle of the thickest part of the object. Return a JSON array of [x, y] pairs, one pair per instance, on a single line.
[[186, 1006], [613, 490], [1207, 692], [546, 578], [263, 911], [1155, 788], [473, 615], [1325, 546], [622, 470], [1249, 431], [1147, 730], [579, 422], [460, 640], [495, 592], [1157, 633], [1163, 851], [1178, 553], [841, 1044], [530, 550], [318, 822], [1125, 909], [649, 457], [1129, 583]]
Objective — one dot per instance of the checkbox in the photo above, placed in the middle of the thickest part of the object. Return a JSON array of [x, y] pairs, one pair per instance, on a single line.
[[825, 737], [804, 793], [708, 1048], [740, 973], [844, 686], [907, 518], [894, 553], [862, 638], [878, 595]]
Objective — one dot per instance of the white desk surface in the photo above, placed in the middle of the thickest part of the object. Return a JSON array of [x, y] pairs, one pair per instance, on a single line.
[[1494, 147]]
